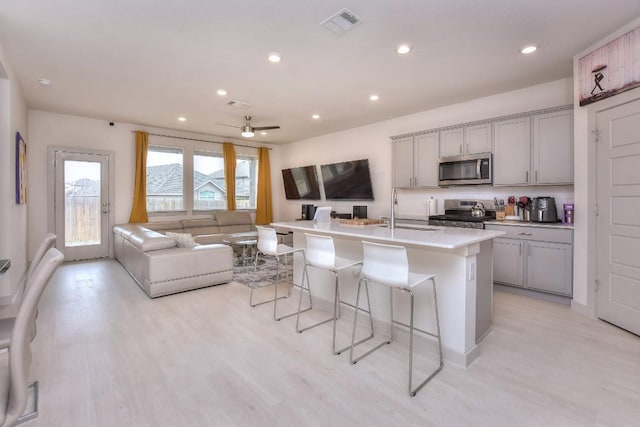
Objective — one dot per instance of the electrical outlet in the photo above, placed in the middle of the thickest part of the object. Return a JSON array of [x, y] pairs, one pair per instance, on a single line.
[[472, 271]]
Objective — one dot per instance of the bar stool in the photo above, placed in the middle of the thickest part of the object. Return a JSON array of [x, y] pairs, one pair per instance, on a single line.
[[388, 265], [268, 245], [320, 253]]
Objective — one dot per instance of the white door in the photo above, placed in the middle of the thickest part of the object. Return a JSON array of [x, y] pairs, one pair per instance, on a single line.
[[618, 222], [81, 204]]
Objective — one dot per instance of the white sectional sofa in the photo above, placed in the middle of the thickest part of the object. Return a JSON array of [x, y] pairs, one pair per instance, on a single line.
[[162, 268]]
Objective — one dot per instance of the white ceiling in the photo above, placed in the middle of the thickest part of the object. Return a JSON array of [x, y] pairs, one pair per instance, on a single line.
[[150, 61]]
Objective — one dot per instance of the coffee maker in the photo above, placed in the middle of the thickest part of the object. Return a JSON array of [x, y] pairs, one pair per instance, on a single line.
[[544, 210], [308, 211]]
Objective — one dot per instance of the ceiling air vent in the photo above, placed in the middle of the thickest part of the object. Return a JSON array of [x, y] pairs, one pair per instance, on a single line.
[[239, 104], [341, 22]]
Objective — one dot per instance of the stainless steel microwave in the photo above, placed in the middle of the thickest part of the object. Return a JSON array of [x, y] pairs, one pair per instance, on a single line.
[[470, 169]]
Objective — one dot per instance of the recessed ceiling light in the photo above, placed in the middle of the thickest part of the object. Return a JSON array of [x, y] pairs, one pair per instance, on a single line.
[[374, 97], [182, 119], [274, 57], [44, 82], [315, 116], [403, 48], [528, 49], [222, 92], [263, 133]]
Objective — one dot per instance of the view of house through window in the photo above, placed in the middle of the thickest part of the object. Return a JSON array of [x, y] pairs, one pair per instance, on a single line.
[[165, 179], [209, 186], [209, 190]]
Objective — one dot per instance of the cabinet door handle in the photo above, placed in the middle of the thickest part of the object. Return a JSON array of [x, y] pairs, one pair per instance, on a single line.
[[526, 179], [525, 234], [529, 246], [520, 249], [536, 176], [460, 148], [410, 182]]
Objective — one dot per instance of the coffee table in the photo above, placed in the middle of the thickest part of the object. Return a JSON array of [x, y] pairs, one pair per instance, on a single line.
[[246, 243]]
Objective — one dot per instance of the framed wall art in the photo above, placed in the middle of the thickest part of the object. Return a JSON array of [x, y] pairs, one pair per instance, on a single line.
[[610, 69], [21, 170]]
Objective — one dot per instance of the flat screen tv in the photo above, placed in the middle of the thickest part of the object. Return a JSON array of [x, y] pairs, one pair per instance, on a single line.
[[301, 183], [347, 180]]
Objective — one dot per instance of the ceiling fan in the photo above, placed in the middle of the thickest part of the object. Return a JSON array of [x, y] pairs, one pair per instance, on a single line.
[[247, 130]]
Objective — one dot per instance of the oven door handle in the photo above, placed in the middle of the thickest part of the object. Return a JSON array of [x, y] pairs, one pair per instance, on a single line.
[[478, 169]]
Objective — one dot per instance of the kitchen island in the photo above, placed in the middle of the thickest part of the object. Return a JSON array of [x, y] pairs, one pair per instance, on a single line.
[[461, 258]]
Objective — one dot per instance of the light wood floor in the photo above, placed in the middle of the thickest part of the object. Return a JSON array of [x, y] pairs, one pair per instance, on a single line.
[[106, 355]]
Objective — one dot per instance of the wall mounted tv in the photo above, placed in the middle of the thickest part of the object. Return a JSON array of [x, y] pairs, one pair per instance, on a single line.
[[301, 183], [347, 180]]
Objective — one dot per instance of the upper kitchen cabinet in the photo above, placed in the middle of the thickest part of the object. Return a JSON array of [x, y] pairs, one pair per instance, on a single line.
[[415, 161], [553, 148], [534, 149], [512, 151], [471, 139]]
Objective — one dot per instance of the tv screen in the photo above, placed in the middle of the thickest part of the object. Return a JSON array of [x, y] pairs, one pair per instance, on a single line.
[[301, 183], [347, 180]]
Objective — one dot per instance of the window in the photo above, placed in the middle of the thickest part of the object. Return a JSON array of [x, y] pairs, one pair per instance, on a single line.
[[246, 182], [209, 186], [209, 189], [165, 179]]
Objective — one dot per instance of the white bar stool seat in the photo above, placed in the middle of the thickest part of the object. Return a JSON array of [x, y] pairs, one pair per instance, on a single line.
[[320, 253], [268, 245], [388, 265]]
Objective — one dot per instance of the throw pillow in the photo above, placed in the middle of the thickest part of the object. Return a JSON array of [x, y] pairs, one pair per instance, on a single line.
[[183, 240]]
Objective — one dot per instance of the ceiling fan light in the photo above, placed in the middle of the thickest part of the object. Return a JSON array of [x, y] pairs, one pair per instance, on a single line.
[[247, 132]]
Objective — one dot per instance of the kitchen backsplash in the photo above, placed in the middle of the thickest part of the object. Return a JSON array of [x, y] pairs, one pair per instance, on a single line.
[[415, 202]]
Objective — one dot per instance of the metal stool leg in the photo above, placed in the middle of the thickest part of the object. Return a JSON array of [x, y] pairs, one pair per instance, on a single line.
[[355, 322], [413, 391]]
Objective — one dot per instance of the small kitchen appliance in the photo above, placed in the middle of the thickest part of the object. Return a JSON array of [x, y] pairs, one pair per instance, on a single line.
[[567, 217], [544, 210], [470, 169], [308, 211]]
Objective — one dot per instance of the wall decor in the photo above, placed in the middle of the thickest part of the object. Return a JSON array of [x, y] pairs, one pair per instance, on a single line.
[[610, 69], [21, 170]]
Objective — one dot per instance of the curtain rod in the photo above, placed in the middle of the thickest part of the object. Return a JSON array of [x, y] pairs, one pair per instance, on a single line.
[[199, 140]]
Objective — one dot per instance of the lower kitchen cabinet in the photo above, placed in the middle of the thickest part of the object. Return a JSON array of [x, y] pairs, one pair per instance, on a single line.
[[536, 258]]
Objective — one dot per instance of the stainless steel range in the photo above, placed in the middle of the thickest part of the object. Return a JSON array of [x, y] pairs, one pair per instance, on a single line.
[[465, 213]]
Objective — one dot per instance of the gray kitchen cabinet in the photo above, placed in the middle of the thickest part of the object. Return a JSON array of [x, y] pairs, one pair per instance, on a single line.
[[508, 265], [534, 150], [477, 138], [471, 139], [451, 142], [403, 162], [415, 161], [512, 151], [552, 161], [535, 258]]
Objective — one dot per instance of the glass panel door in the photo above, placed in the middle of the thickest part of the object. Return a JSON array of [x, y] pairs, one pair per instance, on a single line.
[[82, 205]]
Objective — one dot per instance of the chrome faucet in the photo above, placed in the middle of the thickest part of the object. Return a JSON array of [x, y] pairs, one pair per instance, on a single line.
[[394, 203]]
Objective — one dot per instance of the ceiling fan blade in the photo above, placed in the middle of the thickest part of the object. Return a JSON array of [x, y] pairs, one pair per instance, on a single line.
[[231, 126], [265, 127]]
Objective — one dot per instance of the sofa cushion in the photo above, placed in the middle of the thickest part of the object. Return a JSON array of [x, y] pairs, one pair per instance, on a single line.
[[200, 226], [148, 240], [183, 240], [233, 218]]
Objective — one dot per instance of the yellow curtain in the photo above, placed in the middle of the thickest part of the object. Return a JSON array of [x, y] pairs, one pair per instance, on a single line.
[[264, 210], [230, 174], [139, 205]]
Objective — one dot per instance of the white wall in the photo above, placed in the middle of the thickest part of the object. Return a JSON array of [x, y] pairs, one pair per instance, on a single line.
[[13, 217], [373, 142], [50, 129], [584, 273]]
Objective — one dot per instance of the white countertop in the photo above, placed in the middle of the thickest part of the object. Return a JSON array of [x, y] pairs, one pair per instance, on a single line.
[[437, 237]]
